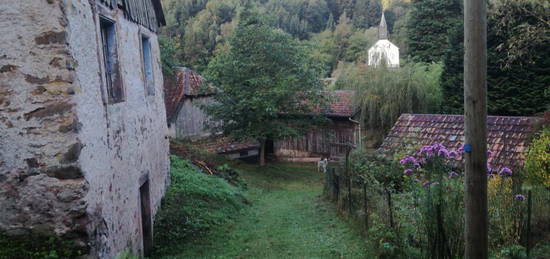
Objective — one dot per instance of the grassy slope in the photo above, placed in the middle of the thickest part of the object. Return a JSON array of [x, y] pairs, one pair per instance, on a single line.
[[287, 219]]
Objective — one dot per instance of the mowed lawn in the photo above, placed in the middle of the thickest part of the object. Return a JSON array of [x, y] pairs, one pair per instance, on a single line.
[[287, 219]]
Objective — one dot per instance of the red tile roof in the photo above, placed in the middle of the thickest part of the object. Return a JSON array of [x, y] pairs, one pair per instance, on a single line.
[[508, 137], [188, 84], [342, 104]]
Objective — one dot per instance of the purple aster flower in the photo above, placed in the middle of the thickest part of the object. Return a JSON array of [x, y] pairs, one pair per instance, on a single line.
[[443, 152], [505, 171], [416, 180], [452, 155], [460, 150], [453, 174], [426, 183], [520, 197], [416, 165], [408, 171], [408, 160]]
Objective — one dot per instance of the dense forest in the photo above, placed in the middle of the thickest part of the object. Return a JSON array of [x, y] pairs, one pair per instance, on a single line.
[[429, 33]]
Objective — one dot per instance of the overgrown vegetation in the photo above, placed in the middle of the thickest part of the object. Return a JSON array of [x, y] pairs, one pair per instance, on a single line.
[[537, 164], [194, 204], [414, 208], [37, 246]]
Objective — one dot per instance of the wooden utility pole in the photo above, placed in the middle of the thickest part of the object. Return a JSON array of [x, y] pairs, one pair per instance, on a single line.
[[475, 128]]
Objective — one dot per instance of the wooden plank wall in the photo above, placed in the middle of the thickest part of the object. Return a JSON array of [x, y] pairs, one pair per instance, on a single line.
[[191, 118], [138, 11], [319, 142]]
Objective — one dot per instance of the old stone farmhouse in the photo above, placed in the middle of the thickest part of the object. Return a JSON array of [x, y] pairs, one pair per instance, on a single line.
[[83, 136], [508, 137]]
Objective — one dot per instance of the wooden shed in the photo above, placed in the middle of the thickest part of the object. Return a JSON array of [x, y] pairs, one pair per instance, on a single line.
[[183, 99], [324, 141]]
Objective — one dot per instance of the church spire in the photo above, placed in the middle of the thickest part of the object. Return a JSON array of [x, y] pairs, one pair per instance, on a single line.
[[383, 29]]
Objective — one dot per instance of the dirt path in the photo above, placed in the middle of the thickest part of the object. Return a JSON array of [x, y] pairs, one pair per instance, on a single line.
[[287, 219]]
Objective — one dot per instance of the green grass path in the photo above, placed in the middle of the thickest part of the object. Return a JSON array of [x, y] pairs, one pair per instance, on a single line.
[[287, 219]]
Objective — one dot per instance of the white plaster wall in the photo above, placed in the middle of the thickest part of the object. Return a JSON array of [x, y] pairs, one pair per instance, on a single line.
[[384, 50], [121, 142]]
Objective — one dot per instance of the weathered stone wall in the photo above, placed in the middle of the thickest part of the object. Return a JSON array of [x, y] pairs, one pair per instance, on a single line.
[[70, 163], [41, 185]]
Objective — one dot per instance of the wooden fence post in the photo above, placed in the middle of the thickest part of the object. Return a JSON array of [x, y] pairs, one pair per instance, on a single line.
[[529, 206], [475, 128], [365, 206], [349, 180]]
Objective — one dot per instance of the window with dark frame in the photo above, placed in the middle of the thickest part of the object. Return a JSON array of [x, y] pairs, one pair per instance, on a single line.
[[110, 61], [147, 65]]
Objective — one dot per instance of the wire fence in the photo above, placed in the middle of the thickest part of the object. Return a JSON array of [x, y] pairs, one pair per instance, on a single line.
[[354, 196]]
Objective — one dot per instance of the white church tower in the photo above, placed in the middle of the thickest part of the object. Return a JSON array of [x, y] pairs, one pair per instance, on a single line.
[[384, 50]]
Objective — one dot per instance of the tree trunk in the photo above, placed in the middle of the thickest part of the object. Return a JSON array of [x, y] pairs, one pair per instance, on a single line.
[[262, 152]]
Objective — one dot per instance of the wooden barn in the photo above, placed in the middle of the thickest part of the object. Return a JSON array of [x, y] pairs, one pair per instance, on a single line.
[[507, 137], [324, 141], [183, 99]]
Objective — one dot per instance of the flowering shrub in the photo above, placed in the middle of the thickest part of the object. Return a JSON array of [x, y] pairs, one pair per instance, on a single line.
[[424, 217], [505, 209], [438, 192]]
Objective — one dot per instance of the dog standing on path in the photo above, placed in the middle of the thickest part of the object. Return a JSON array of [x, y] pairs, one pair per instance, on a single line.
[[322, 165]]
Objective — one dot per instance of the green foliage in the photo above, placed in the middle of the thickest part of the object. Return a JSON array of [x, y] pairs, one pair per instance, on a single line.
[[126, 254], [194, 204], [37, 246], [264, 74], [168, 55], [200, 29], [385, 94], [537, 164], [518, 60], [367, 13], [518, 85], [428, 28]]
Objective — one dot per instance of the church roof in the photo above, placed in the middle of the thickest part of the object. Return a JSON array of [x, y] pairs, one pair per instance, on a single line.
[[383, 29]]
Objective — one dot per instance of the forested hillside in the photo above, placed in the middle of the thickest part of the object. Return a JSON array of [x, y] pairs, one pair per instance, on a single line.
[[338, 33]]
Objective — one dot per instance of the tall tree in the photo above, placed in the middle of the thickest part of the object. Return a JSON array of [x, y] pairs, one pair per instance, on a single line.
[[518, 74], [267, 81], [428, 28]]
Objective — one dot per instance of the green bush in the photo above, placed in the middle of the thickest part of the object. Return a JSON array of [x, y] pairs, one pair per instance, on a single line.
[[36, 246], [537, 164], [193, 205]]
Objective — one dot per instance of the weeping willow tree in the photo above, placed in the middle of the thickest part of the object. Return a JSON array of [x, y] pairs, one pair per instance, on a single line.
[[384, 94]]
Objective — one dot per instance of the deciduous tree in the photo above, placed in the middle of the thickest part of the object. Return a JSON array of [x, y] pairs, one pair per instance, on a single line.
[[267, 84]]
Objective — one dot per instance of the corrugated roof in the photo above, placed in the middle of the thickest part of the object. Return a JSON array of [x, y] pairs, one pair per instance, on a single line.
[[188, 85], [145, 12], [507, 140]]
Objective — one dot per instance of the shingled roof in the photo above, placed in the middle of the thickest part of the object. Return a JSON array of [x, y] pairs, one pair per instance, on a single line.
[[188, 85], [508, 137], [341, 104]]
